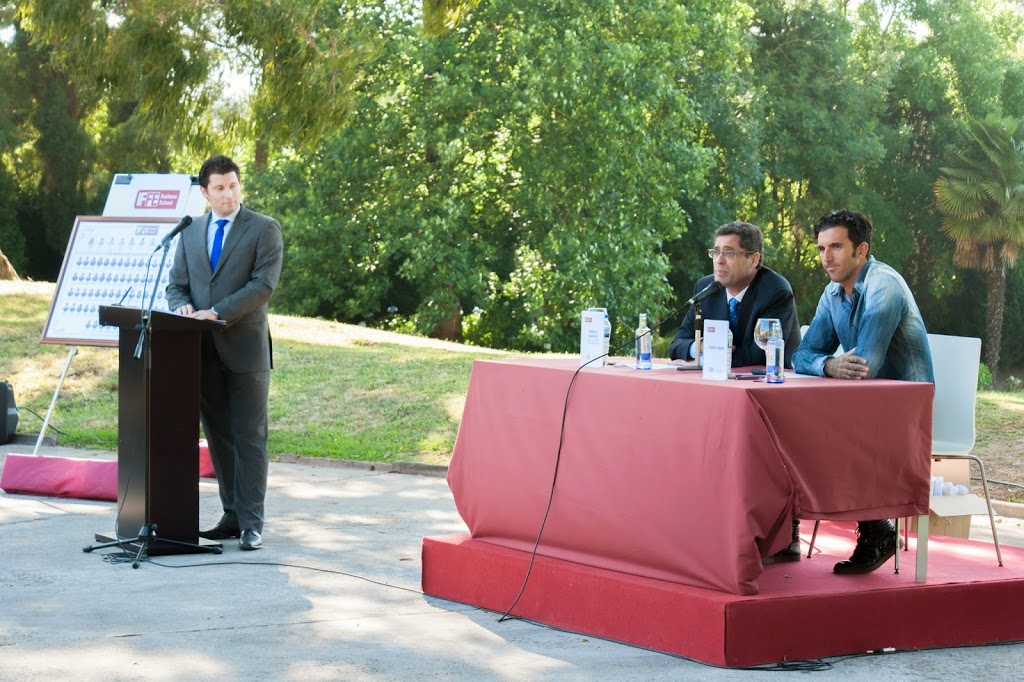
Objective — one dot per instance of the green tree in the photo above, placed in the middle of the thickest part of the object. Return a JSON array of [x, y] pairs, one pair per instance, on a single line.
[[520, 168], [982, 206], [169, 64], [61, 156], [12, 241], [440, 16], [817, 104]]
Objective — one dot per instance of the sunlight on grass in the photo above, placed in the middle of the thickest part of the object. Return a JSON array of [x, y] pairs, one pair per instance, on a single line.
[[454, 405], [1012, 402], [337, 390]]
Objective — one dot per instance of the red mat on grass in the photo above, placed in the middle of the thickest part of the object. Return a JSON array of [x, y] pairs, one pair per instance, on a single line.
[[803, 610], [88, 479], [205, 463]]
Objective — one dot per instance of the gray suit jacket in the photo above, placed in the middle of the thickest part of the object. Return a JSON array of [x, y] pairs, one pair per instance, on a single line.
[[247, 273]]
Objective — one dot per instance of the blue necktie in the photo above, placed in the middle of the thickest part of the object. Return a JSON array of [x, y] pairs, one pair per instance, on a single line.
[[734, 313], [218, 243]]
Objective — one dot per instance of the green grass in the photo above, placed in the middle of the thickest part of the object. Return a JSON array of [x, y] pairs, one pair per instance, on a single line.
[[337, 391], [1000, 443], [351, 399], [378, 402]]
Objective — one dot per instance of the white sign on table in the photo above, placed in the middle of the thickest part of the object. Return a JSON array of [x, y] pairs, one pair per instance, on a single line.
[[716, 350]]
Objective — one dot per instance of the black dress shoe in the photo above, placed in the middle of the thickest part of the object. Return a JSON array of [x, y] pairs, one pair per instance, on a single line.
[[251, 539], [222, 531], [791, 553], [873, 549]]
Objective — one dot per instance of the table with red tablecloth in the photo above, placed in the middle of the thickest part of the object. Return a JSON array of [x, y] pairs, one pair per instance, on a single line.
[[666, 475]]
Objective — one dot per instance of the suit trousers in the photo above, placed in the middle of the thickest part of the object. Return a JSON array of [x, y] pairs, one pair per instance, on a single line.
[[233, 410]]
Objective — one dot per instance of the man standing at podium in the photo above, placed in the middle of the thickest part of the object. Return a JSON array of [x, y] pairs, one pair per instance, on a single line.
[[225, 268]]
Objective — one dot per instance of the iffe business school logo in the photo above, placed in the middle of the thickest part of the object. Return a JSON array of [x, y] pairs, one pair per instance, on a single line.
[[157, 198]]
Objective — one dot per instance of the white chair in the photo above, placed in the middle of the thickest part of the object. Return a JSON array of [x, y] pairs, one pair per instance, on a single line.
[[955, 361]]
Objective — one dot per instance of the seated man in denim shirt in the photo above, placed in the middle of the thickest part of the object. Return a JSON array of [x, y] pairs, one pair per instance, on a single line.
[[868, 309]]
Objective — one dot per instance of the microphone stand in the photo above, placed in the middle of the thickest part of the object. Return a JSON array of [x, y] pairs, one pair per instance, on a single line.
[[698, 328], [147, 313]]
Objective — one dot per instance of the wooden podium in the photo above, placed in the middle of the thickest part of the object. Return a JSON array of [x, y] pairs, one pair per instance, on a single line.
[[158, 432]]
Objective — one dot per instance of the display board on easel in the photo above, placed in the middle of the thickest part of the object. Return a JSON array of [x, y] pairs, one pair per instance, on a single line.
[[108, 261], [153, 195]]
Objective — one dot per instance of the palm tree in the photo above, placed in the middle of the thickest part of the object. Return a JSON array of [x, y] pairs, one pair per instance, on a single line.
[[982, 206]]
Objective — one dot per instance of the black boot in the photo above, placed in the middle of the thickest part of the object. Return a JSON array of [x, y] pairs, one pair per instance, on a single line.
[[876, 543], [791, 553]]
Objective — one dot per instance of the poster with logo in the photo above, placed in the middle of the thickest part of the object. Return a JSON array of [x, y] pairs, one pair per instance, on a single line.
[[152, 195], [108, 261]]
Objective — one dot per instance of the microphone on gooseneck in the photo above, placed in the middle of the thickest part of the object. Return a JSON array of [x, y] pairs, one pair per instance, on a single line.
[[182, 224], [709, 290], [128, 291]]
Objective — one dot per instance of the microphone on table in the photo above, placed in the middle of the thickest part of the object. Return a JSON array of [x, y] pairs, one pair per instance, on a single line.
[[709, 290], [182, 224]]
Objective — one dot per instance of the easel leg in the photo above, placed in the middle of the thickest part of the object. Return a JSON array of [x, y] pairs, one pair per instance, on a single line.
[[72, 352]]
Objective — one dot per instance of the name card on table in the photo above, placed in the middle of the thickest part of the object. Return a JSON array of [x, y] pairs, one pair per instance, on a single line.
[[716, 350], [592, 338]]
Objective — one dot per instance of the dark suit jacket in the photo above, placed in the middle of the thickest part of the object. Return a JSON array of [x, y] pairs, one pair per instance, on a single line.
[[247, 272], [769, 295]]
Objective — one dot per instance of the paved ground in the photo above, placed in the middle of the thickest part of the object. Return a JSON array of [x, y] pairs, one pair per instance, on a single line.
[[334, 595]]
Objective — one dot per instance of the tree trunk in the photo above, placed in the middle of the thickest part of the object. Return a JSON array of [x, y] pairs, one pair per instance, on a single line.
[[450, 329], [994, 309], [261, 156], [6, 269]]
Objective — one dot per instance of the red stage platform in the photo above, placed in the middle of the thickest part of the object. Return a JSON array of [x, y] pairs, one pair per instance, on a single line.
[[803, 610]]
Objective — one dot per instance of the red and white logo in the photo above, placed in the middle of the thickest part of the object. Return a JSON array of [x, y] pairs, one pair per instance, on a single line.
[[160, 199]]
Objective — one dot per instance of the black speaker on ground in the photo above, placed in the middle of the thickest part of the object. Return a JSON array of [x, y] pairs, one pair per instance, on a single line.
[[8, 413]]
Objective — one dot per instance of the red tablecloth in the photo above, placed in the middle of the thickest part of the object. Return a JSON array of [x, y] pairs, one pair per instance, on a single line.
[[665, 475]]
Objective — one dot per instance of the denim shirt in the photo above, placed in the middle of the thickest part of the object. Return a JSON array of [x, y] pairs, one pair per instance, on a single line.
[[881, 321]]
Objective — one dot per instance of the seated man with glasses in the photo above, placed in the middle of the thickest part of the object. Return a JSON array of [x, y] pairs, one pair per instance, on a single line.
[[758, 292]]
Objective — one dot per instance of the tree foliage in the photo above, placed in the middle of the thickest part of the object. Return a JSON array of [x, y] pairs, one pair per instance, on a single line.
[[526, 166], [982, 204], [172, 63], [484, 169]]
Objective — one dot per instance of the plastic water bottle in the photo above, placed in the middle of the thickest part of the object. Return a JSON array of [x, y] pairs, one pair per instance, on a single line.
[[644, 350], [607, 334], [775, 355]]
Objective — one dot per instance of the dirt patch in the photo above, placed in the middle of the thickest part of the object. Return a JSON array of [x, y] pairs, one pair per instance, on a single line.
[[1002, 463]]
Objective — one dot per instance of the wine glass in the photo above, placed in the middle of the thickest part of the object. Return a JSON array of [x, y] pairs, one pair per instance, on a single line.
[[764, 329]]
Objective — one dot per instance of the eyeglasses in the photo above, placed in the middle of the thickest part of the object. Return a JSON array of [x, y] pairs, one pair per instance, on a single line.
[[729, 255]]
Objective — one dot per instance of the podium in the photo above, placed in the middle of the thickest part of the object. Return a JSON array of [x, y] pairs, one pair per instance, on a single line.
[[158, 431]]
